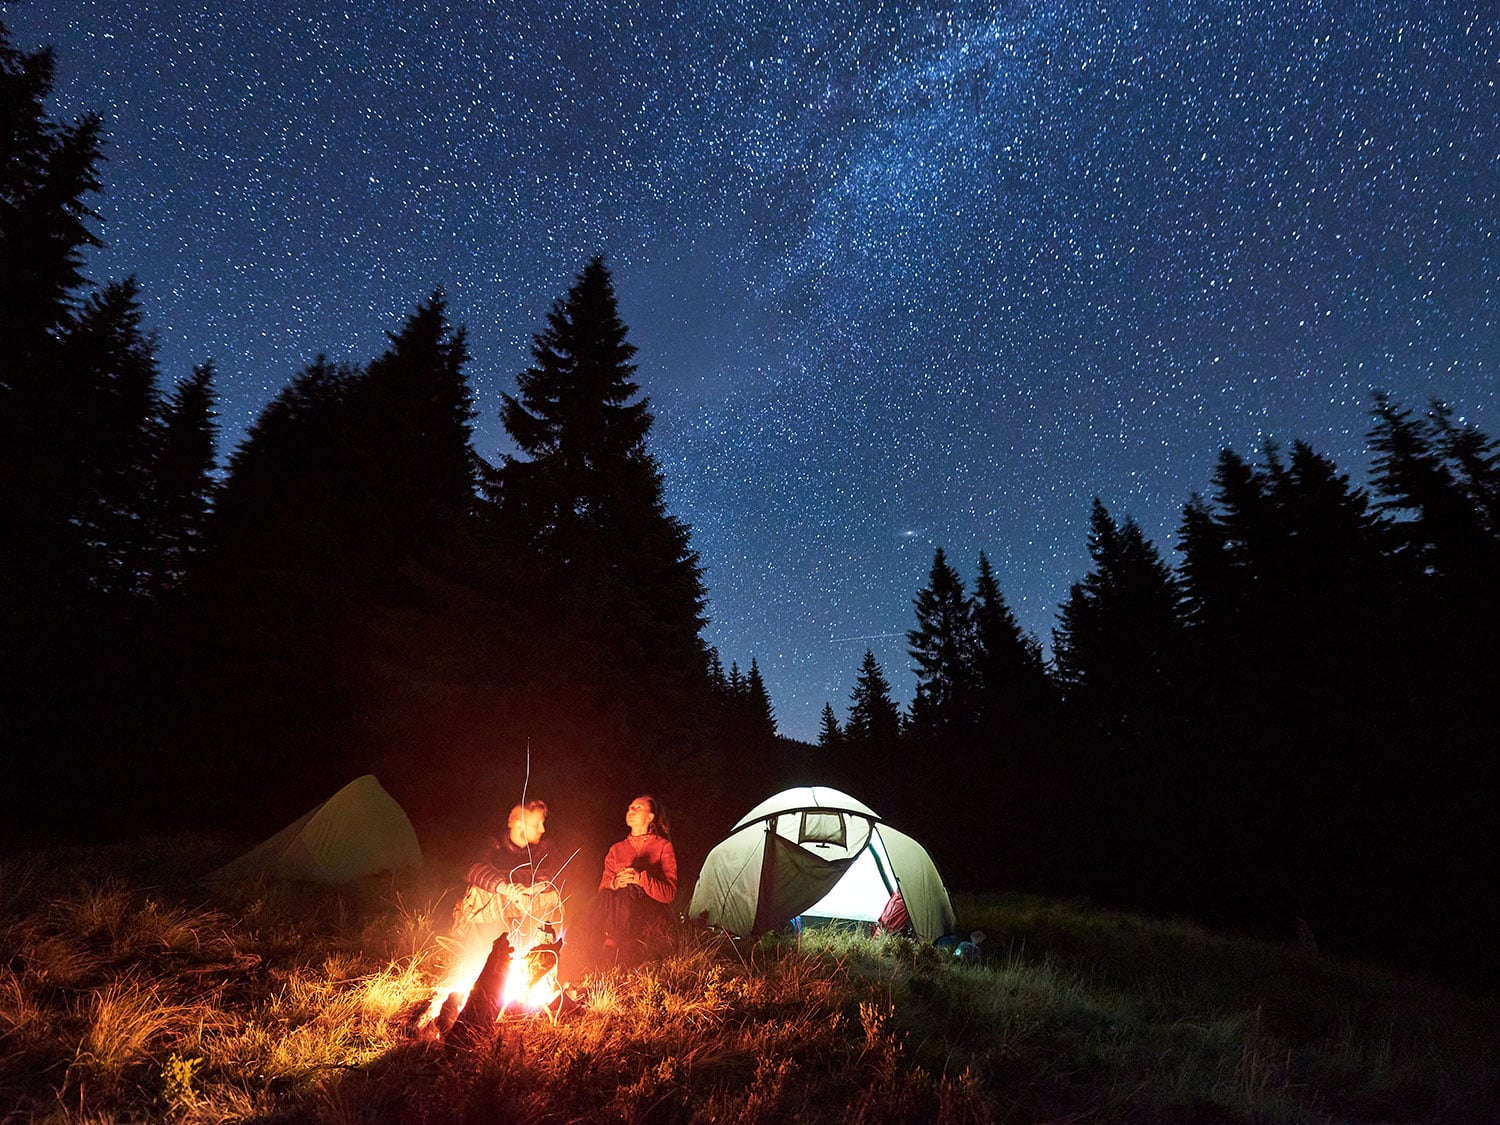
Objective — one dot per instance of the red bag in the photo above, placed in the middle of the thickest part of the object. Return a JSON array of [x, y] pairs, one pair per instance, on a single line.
[[893, 919]]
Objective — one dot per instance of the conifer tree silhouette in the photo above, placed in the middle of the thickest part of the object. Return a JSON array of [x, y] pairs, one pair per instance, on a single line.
[[48, 172], [760, 716], [874, 722], [1012, 689], [587, 496], [182, 481], [830, 734], [943, 646], [1118, 644]]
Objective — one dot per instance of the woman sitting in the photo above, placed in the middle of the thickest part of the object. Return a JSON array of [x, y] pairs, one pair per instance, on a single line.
[[640, 878]]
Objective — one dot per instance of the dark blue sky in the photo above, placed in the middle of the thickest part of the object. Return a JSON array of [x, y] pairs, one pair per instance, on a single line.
[[901, 274]]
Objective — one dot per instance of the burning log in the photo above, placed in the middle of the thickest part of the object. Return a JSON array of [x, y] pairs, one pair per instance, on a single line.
[[483, 1007], [447, 1015], [541, 960]]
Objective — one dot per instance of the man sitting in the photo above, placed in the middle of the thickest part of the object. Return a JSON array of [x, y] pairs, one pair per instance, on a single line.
[[511, 885]]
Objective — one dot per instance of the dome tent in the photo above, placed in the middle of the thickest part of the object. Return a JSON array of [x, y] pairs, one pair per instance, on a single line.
[[817, 852], [360, 830]]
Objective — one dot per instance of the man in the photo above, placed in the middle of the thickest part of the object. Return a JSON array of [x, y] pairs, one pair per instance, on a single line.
[[511, 885]]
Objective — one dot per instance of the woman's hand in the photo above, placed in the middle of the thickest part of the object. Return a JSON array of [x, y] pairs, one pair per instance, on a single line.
[[627, 877]]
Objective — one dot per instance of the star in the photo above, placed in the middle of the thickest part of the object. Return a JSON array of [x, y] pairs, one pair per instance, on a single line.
[[950, 269]]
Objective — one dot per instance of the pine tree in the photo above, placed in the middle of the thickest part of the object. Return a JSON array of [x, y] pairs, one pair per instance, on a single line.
[[182, 481], [410, 416], [718, 681], [943, 647], [588, 497], [75, 428], [342, 515], [1117, 648], [874, 722], [760, 716], [358, 468], [1206, 570], [47, 172], [109, 367], [1298, 621], [1446, 529], [1475, 458], [575, 421], [284, 489], [830, 735], [1012, 685]]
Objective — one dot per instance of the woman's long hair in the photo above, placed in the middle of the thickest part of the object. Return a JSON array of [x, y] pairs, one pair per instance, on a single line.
[[658, 816]]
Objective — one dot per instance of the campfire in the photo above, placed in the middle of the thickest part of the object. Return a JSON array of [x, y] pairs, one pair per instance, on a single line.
[[515, 975]]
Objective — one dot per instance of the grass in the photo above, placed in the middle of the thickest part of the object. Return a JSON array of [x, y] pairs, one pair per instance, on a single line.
[[130, 992]]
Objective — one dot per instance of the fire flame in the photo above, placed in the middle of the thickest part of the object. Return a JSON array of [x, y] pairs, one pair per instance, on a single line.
[[532, 980], [531, 983], [530, 916]]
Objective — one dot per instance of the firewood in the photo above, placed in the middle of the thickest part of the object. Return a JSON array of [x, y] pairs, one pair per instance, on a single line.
[[483, 1006]]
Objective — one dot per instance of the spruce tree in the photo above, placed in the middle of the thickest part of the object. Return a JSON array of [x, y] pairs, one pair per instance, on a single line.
[[1439, 479], [76, 420], [362, 469], [874, 722], [1011, 680], [343, 514], [409, 417], [182, 481], [587, 496], [1297, 620], [1426, 472], [109, 367], [1206, 570], [943, 646], [47, 173], [830, 735], [760, 716], [1118, 644], [283, 492], [1475, 458]]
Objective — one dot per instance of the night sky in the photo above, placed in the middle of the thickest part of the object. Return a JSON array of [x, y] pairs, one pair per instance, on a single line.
[[901, 274]]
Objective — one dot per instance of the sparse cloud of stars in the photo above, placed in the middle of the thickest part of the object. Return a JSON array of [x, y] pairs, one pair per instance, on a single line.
[[902, 274]]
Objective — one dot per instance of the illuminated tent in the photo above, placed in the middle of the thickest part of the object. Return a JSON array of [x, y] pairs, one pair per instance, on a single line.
[[360, 830], [817, 853]]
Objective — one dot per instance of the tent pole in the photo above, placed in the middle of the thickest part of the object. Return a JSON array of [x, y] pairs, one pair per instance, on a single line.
[[765, 894]]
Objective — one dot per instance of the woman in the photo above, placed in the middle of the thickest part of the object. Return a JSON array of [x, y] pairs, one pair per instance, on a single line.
[[640, 875]]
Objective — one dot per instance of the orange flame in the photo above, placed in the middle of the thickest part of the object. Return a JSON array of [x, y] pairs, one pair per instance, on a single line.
[[531, 983]]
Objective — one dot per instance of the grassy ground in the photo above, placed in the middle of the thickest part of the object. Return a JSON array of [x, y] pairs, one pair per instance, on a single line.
[[130, 992]]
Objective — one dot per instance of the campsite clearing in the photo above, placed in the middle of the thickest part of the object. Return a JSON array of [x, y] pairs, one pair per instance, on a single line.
[[130, 990]]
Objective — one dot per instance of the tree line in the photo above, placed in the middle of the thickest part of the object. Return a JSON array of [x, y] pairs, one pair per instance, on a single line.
[[356, 589], [1293, 722]]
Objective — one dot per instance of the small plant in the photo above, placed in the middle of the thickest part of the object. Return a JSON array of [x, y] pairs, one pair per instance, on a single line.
[[177, 1082]]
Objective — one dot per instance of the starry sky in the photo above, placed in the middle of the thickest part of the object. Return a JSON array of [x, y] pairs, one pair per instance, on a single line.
[[902, 274]]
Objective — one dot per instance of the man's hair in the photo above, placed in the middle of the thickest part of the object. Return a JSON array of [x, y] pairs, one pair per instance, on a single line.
[[520, 811]]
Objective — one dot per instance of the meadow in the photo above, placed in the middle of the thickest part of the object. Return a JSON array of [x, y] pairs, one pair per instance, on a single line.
[[130, 990]]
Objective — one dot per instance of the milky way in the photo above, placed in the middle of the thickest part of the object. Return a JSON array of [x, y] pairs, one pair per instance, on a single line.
[[902, 275]]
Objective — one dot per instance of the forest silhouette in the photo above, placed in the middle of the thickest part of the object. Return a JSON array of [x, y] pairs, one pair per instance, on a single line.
[[1289, 730]]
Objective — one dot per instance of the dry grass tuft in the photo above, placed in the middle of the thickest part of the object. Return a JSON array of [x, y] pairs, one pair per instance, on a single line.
[[122, 1021]]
